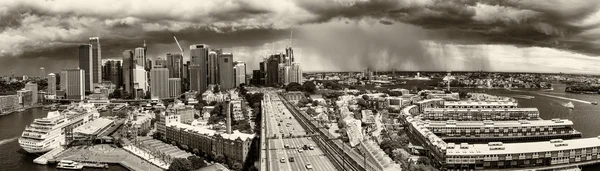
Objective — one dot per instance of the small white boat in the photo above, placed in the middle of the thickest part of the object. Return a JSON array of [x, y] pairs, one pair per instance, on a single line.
[[68, 164], [570, 105]]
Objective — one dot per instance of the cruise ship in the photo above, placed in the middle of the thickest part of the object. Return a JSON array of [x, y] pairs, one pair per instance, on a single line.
[[45, 134]]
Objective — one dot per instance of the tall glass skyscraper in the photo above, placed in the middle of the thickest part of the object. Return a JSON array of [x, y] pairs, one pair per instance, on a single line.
[[86, 64], [96, 70]]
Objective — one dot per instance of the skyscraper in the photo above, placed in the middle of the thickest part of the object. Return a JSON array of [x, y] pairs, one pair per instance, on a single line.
[[226, 75], [33, 87], [272, 69], [75, 83], [198, 55], [160, 63], [140, 81], [213, 69], [51, 84], [139, 57], [86, 64], [112, 72], [96, 69], [174, 87], [159, 83], [240, 73], [128, 66], [296, 73], [63, 80], [42, 73], [289, 52]]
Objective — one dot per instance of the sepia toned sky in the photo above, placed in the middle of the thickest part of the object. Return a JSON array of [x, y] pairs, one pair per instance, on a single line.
[[328, 35]]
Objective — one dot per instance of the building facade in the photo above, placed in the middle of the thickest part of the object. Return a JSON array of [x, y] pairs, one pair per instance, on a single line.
[[175, 65], [174, 87], [240, 73], [481, 114], [75, 87], [96, 68], [159, 78], [226, 75], [86, 64], [199, 69]]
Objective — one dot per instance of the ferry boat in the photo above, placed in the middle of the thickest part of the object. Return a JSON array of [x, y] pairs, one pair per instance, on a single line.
[[68, 164], [45, 134], [570, 105]]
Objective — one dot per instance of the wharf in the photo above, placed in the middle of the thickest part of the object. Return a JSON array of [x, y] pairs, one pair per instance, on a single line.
[[106, 154]]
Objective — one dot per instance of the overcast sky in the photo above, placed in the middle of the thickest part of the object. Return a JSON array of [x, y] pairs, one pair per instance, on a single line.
[[328, 35]]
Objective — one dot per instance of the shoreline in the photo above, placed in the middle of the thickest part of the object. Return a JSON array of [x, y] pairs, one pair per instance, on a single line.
[[23, 108]]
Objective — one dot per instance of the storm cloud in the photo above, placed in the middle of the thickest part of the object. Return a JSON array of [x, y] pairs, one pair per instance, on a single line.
[[339, 34]]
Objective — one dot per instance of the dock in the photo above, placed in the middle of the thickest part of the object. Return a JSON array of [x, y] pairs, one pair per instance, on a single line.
[[106, 154], [49, 156]]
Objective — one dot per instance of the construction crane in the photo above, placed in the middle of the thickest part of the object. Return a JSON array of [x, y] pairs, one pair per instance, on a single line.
[[181, 49]]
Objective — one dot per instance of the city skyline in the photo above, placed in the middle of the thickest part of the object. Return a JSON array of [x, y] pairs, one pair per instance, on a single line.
[[552, 36]]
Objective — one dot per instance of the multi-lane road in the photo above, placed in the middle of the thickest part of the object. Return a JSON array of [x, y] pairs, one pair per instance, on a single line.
[[285, 139]]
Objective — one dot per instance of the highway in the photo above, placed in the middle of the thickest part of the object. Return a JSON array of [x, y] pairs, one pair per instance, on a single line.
[[341, 159], [284, 130]]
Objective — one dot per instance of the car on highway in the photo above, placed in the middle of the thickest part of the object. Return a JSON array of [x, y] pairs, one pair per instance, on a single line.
[[291, 159], [286, 146], [280, 131], [282, 160], [308, 166], [300, 150]]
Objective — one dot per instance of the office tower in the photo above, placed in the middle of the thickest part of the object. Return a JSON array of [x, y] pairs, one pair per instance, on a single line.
[[128, 66], [284, 74], [263, 73], [175, 65], [51, 84], [185, 80], [296, 73], [186, 70], [96, 69], [86, 64], [213, 68], [272, 69], [161, 63], [140, 81], [33, 87], [240, 73], [42, 73], [195, 78], [289, 52], [198, 55], [139, 57], [225, 66], [112, 72], [159, 83], [174, 87], [75, 83], [63, 80], [149, 65]]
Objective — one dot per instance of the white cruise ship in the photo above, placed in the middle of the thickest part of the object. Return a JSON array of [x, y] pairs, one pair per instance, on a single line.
[[45, 134]]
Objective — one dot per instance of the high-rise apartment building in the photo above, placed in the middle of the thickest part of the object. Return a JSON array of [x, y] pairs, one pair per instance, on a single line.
[[174, 87], [159, 83], [86, 64], [272, 68], [63, 80], [296, 73], [51, 84], [198, 56], [33, 87], [42, 73], [127, 73], [240, 73], [75, 83], [96, 69], [226, 75], [112, 72]]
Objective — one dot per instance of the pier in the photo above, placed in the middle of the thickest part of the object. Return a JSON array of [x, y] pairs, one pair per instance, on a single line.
[[108, 154]]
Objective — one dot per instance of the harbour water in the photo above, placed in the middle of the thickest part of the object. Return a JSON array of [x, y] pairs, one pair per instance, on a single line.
[[12, 157], [585, 116]]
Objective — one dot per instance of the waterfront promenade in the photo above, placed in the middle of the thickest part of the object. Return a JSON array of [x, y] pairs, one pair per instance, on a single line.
[[107, 154]]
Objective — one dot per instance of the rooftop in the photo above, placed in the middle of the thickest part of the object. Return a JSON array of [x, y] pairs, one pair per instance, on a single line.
[[516, 148], [489, 123], [94, 126], [481, 109], [233, 136]]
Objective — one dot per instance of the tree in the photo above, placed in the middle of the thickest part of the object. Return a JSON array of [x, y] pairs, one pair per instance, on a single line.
[[197, 162], [216, 89], [395, 93], [115, 94], [181, 164], [237, 166], [309, 87], [362, 103], [147, 95], [365, 97], [315, 103], [311, 112], [463, 94], [293, 86]]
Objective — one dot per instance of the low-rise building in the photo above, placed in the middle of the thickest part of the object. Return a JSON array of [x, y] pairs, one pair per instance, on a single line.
[[25, 98], [9, 103], [142, 122], [481, 113], [234, 146], [186, 112], [90, 130]]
